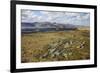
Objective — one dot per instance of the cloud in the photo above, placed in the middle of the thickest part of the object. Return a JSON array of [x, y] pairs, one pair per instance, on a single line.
[[58, 17]]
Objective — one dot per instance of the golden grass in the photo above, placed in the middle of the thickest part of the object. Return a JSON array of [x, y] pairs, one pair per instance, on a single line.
[[34, 45]]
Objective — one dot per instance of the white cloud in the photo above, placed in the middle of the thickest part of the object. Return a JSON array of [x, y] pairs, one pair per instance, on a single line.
[[59, 17], [87, 16], [71, 14]]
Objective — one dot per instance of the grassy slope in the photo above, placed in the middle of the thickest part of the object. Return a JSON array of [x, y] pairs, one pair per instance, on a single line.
[[35, 46]]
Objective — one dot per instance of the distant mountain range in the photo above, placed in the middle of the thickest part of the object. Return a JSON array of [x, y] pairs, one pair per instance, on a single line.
[[45, 26]]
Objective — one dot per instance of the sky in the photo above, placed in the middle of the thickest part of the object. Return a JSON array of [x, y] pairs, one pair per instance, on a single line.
[[65, 17]]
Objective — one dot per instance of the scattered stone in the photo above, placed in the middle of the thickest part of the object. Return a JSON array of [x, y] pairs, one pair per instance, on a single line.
[[52, 50], [65, 55], [52, 55], [70, 53], [82, 45], [45, 55], [62, 48], [66, 45], [57, 53], [71, 42]]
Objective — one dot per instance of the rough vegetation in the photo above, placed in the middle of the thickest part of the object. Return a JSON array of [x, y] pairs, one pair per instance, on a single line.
[[55, 46]]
